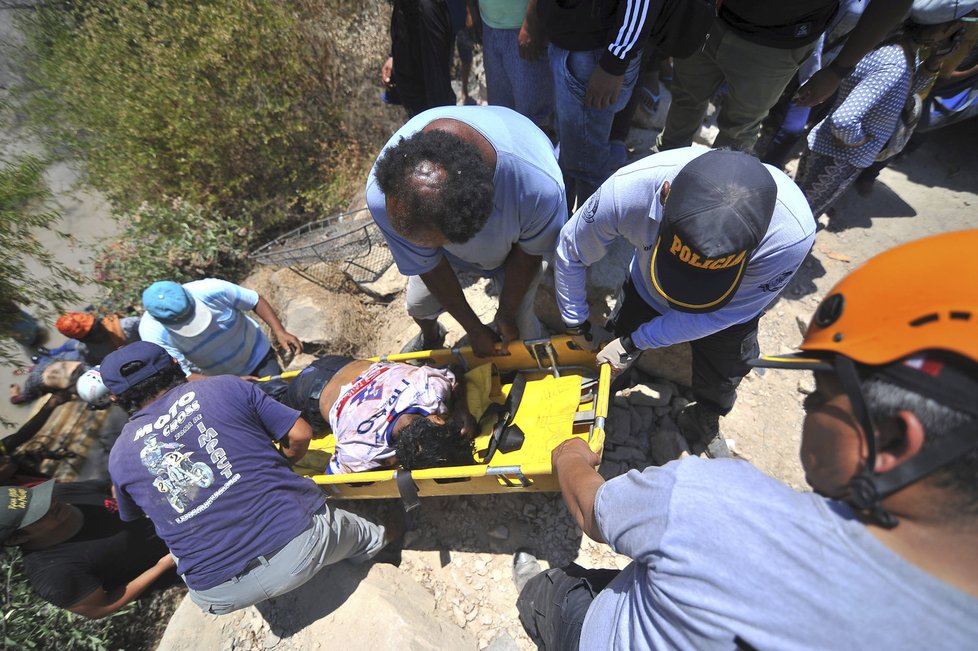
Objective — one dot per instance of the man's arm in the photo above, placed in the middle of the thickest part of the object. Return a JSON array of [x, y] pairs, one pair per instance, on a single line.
[[10, 443], [101, 603], [876, 22], [518, 273], [460, 414], [267, 313], [574, 463], [532, 40], [630, 35], [295, 444], [444, 286]]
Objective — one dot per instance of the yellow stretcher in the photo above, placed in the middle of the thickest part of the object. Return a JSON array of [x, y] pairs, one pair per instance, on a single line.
[[564, 394]]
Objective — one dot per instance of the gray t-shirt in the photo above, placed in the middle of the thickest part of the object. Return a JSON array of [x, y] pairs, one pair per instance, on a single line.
[[726, 557], [529, 204]]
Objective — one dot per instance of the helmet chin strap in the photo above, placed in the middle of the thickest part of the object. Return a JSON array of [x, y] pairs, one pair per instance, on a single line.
[[867, 488], [864, 491]]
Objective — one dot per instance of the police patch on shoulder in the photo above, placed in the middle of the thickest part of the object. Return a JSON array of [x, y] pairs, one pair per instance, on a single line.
[[778, 282], [591, 206]]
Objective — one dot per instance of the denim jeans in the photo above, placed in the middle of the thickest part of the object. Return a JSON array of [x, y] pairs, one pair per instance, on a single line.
[[584, 132], [511, 81]]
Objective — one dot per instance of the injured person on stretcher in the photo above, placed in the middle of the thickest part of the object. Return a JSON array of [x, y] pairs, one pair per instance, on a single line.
[[385, 414]]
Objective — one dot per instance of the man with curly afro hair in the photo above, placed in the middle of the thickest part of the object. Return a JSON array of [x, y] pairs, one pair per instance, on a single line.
[[476, 189]]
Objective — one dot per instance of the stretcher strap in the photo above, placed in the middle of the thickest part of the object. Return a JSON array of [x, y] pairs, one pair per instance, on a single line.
[[409, 497]]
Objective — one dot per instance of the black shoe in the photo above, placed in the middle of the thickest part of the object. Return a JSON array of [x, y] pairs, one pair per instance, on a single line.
[[700, 427], [418, 343]]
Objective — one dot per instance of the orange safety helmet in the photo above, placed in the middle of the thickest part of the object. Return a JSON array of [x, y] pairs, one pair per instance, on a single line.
[[917, 297]]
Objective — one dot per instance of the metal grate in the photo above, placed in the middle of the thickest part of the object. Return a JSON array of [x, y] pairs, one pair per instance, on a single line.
[[350, 240]]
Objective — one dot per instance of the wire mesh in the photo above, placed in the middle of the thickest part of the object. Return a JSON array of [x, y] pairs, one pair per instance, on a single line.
[[350, 240]]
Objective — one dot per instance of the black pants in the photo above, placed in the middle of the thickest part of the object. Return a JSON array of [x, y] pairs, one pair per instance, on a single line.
[[421, 45], [553, 604], [719, 360]]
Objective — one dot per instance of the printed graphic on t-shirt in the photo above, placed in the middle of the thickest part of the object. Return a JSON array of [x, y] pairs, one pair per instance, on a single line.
[[185, 458]]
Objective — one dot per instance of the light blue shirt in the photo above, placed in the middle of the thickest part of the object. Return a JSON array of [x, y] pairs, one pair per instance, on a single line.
[[627, 205], [723, 553], [529, 204], [232, 344]]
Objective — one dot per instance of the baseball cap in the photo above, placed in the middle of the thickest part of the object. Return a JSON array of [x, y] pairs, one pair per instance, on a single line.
[[934, 12], [21, 507], [75, 325], [124, 368], [177, 309], [718, 210]]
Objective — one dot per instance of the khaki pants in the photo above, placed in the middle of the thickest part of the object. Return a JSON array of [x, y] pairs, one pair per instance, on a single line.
[[756, 75]]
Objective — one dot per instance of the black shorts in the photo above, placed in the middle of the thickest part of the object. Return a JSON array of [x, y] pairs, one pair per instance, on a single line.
[[306, 388]]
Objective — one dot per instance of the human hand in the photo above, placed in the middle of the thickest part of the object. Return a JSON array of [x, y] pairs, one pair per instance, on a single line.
[[467, 424], [386, 72], [620, 353], [531, 40], [507, 329], [817, 89], [573, 450], [485, 342], [58, 398], [602, 89], [289, 342]]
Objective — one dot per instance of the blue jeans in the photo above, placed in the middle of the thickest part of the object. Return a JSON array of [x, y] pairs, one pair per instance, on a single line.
[[511, 81], [584, 132]]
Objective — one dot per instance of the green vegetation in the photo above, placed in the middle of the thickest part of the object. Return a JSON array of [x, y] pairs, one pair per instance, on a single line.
[[177, 241], [24, 210], [27, 622], [237, 105]]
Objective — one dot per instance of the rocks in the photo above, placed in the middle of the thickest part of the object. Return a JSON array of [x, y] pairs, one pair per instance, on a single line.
[[500, 533], [668, 444]]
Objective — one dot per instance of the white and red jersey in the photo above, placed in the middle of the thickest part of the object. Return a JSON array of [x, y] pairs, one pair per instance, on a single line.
[[364, 414]]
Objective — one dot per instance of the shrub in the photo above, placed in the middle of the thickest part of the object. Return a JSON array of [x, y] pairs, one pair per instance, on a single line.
[[25, 208], [176, 241], [239, 105], [29, 622]]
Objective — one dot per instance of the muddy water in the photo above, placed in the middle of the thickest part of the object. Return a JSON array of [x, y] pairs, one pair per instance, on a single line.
[[85, 216]]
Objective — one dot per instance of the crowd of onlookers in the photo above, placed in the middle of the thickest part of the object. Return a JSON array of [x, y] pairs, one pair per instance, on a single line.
[[536, 183]]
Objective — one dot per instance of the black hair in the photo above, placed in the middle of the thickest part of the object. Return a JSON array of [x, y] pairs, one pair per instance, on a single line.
[[885, 399], [141, 393], [425, 444], [461, 201]]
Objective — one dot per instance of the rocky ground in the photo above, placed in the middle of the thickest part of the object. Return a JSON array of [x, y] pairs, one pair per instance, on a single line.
[[453, 587]]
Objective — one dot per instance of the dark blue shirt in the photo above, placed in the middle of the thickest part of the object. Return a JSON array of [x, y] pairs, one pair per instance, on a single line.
[[199, 461]]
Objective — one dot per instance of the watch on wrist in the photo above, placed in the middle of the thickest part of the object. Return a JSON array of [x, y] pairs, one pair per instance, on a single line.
[[840, 70], [629, 345]]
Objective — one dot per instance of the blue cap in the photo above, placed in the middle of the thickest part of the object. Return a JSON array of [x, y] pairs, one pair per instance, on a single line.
[[168, 301], [146, 359]]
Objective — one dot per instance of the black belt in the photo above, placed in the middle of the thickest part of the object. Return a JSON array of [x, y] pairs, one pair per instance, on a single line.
[[255, 563]]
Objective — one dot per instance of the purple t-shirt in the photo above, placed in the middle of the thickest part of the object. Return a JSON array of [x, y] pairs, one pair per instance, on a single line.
[[199, 461]]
